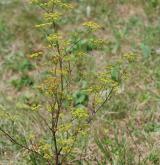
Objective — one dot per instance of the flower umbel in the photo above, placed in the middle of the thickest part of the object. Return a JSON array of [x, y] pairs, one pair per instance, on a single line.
[[91, 25]]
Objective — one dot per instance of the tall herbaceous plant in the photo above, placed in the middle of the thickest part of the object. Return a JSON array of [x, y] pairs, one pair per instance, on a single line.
[[69, 114]]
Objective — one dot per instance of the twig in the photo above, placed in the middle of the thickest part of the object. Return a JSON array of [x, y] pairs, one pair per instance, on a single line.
[[19, 144], [106, 99]]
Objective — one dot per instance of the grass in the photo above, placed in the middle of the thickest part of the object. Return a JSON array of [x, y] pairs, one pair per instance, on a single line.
[[127, 130]]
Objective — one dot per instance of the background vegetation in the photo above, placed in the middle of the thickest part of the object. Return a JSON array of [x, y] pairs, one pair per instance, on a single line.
[[127, 131]]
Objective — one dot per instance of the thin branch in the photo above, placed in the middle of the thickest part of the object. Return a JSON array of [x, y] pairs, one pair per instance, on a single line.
[[45, 121], [73, 45], [19, 144], [106, 99]]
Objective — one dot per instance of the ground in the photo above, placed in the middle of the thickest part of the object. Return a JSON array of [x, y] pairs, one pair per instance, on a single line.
[[130, 121]]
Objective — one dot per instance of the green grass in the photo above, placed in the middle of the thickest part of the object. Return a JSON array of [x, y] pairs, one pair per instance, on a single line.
[[127, 129]]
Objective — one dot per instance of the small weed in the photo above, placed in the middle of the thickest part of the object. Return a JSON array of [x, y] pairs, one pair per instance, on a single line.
[[152, 127], [4, 34], [18, 63], [25, 80], [154, 157]]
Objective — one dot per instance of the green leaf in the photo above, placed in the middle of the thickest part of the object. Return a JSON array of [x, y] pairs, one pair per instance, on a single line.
[[115, 74], [146, 50], [80, 97]]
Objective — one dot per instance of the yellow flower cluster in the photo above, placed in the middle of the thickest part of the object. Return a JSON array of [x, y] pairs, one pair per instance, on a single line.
[[80, 113], [43, 25], [57, 38], [52, 3], [46, 150], [43, 2], [52, 16], [66, 6], [65, 127], [55, 59], [59, 72], [50, 85], [105, 78], [98, 43], [54, 37], [94, 89], [31, 137], [91, 25], [131, 57], [98, 100], [81, 54], [60, 4], [66, 144], [35, 55], [64, 44], [62, 72]]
